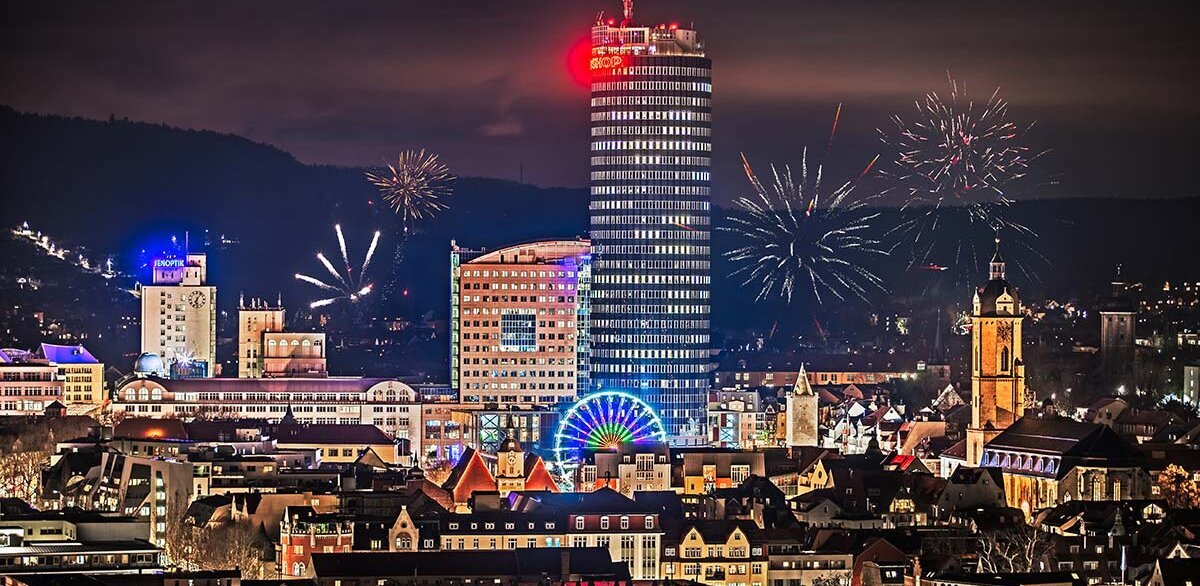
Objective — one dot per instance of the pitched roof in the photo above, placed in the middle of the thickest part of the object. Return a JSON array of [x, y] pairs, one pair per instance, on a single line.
[[61, 354], [957, 451], [330, 433], [967, 475], [469, 474], [147, 428], [1074, 442], [536, 475], [602, 500], [271, 385]]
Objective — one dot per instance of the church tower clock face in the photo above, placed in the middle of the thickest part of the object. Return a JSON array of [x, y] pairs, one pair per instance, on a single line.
[[1004, 332]]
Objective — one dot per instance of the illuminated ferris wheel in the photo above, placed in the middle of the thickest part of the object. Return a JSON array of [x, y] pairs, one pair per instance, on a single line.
[[605, 421]]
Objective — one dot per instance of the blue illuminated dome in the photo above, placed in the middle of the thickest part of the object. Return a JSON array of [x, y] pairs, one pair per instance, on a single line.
[[149, 363]]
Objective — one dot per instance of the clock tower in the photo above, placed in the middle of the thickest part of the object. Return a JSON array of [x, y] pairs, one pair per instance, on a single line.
[[997, 370], [179, 316], [510, 465]]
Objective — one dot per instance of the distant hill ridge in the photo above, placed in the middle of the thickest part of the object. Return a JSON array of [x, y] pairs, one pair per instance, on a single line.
[[110, 184]]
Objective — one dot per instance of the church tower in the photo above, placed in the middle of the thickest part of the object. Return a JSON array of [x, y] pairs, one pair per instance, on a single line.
[[1117, 319], [510, 465], [997, 371], [801, 401]]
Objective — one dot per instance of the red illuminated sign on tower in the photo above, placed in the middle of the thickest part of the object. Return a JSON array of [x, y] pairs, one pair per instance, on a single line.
[[606, 62]]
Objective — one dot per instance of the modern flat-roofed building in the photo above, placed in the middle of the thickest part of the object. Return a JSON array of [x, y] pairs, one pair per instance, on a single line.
[[519, 322], [28, 383]]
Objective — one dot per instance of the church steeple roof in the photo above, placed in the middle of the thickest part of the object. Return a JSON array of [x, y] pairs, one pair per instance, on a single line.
[[802, 386], [997, 296], [510, 443], [997, 264]]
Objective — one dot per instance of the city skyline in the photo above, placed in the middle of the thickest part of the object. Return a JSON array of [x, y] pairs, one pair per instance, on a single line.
[[894, 359]]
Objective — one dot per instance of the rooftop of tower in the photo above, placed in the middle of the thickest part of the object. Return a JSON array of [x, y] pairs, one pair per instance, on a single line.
[[997, 286], [625, 36]]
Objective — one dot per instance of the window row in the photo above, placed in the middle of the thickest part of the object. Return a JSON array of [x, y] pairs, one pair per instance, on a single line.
[[651, 145], [680, 115], [659, 339], [631, 219], [653, 279], [677, 160], [659, 249], [653, 86], [686, 101], [499, 311], [650, 204], [656, 324], [486, 273], [623, 309], [651, 131], [651, 175], [667, 70], [662, 235]]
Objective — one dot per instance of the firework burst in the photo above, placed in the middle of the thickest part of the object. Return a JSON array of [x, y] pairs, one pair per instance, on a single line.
[[344, 285], [414, 186], [792, 243], [956, 161]]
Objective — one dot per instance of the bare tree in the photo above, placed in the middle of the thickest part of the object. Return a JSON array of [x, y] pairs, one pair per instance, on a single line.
[[21, 470], [229, 546], [833, 579], [25, 450], [1017, 549]]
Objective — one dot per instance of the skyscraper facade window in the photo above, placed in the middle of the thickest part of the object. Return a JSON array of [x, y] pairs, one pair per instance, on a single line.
[[651, 148]]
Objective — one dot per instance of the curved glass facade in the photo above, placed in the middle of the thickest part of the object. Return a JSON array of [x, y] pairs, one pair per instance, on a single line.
[[650, 196]]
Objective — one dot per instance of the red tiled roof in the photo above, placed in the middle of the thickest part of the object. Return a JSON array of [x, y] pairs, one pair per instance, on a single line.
[[470, 474], [536, 475]]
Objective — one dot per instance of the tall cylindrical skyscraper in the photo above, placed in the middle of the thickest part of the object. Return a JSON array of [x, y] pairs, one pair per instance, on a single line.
[[650, 196]]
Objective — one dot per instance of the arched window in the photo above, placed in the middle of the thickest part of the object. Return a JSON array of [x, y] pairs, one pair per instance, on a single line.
[[404, 542], [1098, 487], [1004, 358], [1116, 488]]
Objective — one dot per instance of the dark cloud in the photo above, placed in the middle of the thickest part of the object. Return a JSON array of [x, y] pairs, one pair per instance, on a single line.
[[485, 83]]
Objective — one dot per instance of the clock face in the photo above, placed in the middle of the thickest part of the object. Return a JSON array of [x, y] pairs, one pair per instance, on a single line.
[[197, 299], [512, 459], [1004, 331]]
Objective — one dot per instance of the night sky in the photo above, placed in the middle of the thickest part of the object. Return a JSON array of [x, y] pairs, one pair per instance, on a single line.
[[486, 83]]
